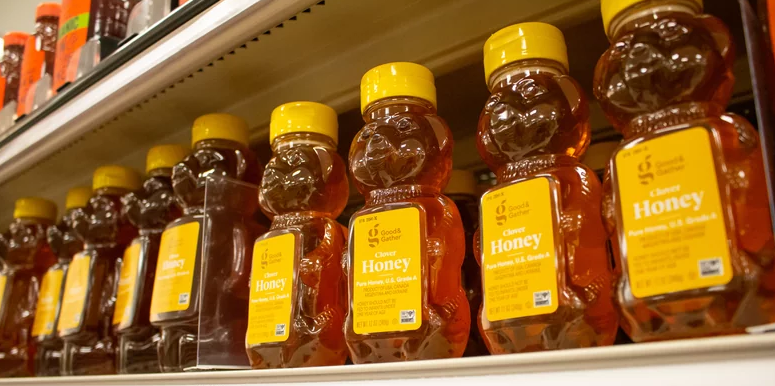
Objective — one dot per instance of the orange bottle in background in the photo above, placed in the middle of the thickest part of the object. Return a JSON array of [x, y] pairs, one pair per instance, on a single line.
[[690, 224], [149, 209], [11, 64], [65, 244], [546, 272], [28, 256], [298, 296], [225, 233], [40, 51], [407, 244], [86, 315]]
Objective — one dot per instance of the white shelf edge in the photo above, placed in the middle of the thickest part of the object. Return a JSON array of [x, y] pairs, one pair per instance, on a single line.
[[712, 356], [211, 34]]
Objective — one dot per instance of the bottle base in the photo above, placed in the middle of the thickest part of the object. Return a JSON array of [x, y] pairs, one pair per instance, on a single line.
[[88, 359]]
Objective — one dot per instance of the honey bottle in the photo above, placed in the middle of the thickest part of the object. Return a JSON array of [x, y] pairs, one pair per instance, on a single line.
[[65, 244], [220, 228], [407, 244], [690, 224], [27, 258], [546, 274], [86, 315], [462, 189], [298, 298], [149, 209]]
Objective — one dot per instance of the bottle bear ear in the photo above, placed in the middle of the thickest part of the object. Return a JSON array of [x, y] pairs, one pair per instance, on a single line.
[[324, 160], [720, 34]]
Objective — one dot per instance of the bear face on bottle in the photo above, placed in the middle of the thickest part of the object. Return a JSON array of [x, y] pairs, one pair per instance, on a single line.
[[400, 146], [652, 65]]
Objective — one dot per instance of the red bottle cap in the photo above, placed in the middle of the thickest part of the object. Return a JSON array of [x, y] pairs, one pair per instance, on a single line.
[[47, 10], [15, 39]]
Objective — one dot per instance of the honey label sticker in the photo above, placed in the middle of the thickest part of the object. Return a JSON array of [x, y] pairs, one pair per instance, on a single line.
[[271, 289], [3, 282], [519, 250], [74, 298], [73, 31], [671, 221], [125, 294], [387, 257], [48, 302], [175, 269]]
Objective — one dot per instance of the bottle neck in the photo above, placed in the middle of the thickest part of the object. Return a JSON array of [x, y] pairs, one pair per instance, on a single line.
[[111, 191], [647, 12], [160, 172], [395, 105], [513, 72], [292, 140], [218, 143]]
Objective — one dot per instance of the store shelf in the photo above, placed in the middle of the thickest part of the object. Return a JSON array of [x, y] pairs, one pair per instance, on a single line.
[[245, 57], [739, 360]]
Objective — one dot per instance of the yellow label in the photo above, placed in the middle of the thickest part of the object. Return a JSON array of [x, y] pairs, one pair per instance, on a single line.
[[48, 301], [74, 298], [175, 269], [271, 288], [387, 271], [519, 253], [672, 228], [3, 282], [126, 286]]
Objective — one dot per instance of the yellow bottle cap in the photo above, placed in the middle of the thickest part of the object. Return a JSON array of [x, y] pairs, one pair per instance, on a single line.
[[36, 208], [304, 117], [165, 156], [612, 8], [78, 197], [397, 79], [220, 126], [524, 41], [112, 176], [461, 182]]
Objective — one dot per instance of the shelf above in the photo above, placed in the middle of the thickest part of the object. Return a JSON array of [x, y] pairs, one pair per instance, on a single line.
[[741, 360]]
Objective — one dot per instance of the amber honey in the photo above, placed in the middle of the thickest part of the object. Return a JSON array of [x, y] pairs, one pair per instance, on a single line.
[[547, 279], [407, 243], [220, 227], [86, 313], [304, 189], [27, 258], [65, 244], [689, 224]]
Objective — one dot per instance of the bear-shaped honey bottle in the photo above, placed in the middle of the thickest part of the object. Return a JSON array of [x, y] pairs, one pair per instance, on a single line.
[[298, 296], [149, 209], [406, 245], [65, 244], [685, 200], [28, 256], [203, 268], [546, 272], [86, 315]]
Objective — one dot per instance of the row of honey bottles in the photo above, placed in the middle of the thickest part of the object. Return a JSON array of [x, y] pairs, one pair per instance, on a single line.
[[688, 225]]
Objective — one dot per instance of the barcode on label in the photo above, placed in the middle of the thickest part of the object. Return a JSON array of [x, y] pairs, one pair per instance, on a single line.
[[711, 267], [542, 298], [183, 298], [408, 316], [279, 330]]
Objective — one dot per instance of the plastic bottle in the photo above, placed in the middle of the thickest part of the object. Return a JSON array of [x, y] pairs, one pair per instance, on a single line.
[[40, 51], [86, 314], [298, 296], [11, 65], [149, 209], [65, 244], [546, 273], [28, 256], [690, 224], [222, 229], [408, 236], [462, 189]]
